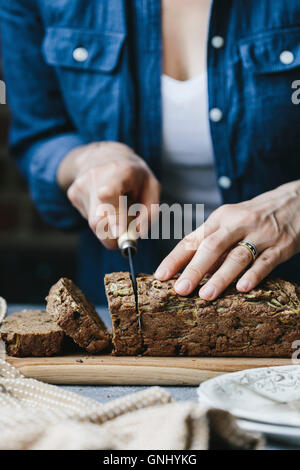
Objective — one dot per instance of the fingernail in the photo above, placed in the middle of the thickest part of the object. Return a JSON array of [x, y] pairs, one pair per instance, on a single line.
[[207, 292], [161, 274], [184, 286], [243, 285]]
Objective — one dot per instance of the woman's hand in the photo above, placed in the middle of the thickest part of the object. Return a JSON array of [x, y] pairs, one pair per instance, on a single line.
[[271, 221], [94, 177]]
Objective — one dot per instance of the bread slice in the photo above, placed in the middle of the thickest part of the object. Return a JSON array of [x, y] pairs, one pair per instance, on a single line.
[[77, 316], [127, 339], [262, 323], [31, 333]]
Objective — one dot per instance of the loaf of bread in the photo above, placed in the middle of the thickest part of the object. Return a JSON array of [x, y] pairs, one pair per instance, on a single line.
[[77, 316], [31, 333], [262, 323]]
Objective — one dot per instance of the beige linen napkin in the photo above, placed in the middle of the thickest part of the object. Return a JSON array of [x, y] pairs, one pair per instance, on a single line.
[[35, 415]]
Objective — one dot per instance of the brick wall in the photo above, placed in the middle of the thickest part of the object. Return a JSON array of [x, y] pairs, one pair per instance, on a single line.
[[32, 254]]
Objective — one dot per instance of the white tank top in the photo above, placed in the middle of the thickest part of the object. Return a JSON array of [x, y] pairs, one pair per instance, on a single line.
[[188, 173]]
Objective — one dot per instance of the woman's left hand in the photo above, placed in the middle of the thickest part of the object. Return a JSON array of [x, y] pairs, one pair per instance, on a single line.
[[270, 221]]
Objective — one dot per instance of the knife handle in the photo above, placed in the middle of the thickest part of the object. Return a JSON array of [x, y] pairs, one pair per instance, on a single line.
[[125, 241]]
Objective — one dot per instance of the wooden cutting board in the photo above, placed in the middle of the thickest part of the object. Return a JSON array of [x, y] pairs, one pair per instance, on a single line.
[[111, 370]]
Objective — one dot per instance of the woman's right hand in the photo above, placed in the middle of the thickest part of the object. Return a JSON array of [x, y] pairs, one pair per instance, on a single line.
[[95, 175]]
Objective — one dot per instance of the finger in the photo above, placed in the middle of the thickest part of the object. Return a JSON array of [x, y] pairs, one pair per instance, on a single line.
[[103, 232], [182, 253], [218, 263], [235, 263], [117, 217], [77, 201], [265, 263], [114, 181], [102, 218], [104, 197], [206, 256], [109, 242]]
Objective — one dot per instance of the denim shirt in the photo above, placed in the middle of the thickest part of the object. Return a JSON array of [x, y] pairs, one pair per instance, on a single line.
[[79, 71]]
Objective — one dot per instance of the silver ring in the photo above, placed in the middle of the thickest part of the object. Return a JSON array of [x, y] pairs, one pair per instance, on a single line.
[[250, 247]]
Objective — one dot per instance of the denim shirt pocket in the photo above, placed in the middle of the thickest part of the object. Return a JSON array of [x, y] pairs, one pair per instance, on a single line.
[[266, 52], [270, 64], [88, 69], [103, 49]]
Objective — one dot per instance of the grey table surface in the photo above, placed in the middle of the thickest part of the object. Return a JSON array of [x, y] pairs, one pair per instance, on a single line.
[[103, 393]]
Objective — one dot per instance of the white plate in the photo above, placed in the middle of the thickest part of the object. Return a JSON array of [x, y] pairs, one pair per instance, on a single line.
[[3, 309], [267, 395]]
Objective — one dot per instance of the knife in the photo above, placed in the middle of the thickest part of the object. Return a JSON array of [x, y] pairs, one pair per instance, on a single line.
[[128, 247]]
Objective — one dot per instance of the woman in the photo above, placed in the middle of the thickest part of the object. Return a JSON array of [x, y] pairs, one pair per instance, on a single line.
[[110, 96]]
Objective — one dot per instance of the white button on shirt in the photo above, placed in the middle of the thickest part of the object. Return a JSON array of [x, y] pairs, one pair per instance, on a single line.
[[224, 182], [215, 114], [287, 57], [80, 54], [217, 42]]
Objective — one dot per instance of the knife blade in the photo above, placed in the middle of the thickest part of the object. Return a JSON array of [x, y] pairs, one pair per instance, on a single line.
[[128, 247]]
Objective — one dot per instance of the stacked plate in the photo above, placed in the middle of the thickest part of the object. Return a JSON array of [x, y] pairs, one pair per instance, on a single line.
[[3, 308], [266, 400]]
